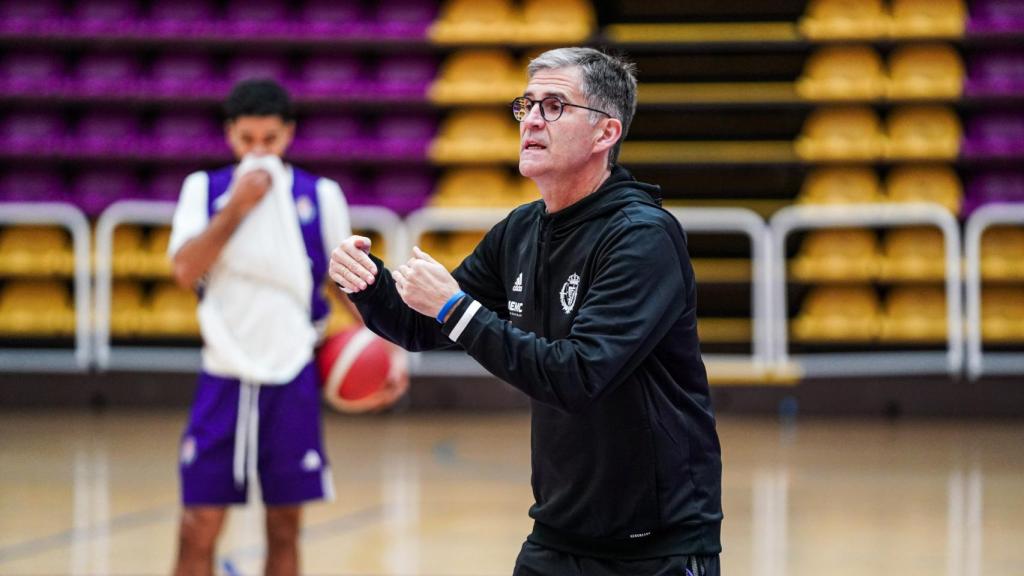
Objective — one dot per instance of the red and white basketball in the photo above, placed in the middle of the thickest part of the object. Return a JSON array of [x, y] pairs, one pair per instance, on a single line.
[[354, 364]]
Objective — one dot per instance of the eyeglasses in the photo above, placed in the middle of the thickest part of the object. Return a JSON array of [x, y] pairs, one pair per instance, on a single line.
[[551, 108]]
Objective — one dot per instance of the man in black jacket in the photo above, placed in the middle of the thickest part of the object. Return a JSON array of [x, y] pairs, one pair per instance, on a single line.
[[585, 302]]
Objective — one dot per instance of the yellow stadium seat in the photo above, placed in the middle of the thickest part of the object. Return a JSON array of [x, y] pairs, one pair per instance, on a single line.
[[937, 184], [172, 313], [127, 309], [847, 254], [1002, 253], [568, 21], [155, 263], [842, 73], [525, 191], [436, 244], [844, 19], [923, 133], [478, 76], [852, 133], [461, 244], [915, 314], [36, 251], [930, 71], [477, 136], [838, 314], [840, 185], [1002, 315], [468, 21], [927, 18], [36, 308], [914, 254], [128, 252], [473, 187]]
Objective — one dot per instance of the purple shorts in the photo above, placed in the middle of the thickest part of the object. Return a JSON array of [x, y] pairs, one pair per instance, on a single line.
[[237, 433]]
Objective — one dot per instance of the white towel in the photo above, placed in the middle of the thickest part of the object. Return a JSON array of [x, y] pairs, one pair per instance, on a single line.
[[255, 311]]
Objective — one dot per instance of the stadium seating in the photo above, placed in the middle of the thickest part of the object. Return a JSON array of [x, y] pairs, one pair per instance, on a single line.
[[477, 136], [94, 189], [469, 21], [925, 71], [171, 313], [927, 18], [995, 17], [32, 185], [128, 251], [106, 132], [472, 187], [840, 185], [995, 134], [564, 21], [36, 308], [1002, 315], [842, 73], [914, 314], [916, 183], [913, 255], [852, 133], [127, 309], [923, 133], [839, 255], [844, 20], [153, 260], [36, 74], [838, 314], [41, 133], [1002, 254], [477, 76], [993, 186], [995, 73], [35, 251]]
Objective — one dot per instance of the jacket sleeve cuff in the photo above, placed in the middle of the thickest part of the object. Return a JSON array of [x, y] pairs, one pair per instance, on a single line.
[[365, 295], [460, 318]]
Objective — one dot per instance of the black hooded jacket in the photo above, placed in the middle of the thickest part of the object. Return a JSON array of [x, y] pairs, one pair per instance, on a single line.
[[590, 311]]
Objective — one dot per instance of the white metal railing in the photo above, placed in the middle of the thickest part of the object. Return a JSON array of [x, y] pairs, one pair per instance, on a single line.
[[374, 218], [794, 218], [67, 215], [979, 362]]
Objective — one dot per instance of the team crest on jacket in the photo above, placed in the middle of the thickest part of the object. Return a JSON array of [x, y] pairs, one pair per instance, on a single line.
[[568, 293]]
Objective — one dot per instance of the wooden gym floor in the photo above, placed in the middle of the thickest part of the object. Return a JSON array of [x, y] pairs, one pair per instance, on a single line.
[[447, 495]]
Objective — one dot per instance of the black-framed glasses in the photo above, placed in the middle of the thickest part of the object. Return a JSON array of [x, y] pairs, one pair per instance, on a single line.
[[551, 108]]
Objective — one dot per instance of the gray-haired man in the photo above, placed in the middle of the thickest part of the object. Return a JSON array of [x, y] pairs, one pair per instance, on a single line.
[[585, 302]]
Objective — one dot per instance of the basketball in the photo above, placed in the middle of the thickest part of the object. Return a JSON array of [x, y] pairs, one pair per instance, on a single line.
[[354, 364]]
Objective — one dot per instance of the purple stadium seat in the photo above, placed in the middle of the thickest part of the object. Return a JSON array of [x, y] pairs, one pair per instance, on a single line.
[[339, 76], [995, 17], [182, 18], [165, 184], [995, 74], [183, 75], [101, 133], [105, 17], [405, 18], [403, 189], [96, 188], [995, 186], [187, 134], [404, 76], [43, 133], [250, 67], [995, 134], [247, 18], [30, 17], [31, 73], [336, 135], [103, 73], [35, 185], [405, 136], [333, 18]]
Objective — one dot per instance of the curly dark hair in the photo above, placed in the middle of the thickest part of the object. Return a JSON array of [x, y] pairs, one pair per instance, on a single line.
[[258, 97]]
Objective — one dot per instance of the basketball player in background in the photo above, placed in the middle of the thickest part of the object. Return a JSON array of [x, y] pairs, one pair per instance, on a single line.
[[585, 301], [253, 239]]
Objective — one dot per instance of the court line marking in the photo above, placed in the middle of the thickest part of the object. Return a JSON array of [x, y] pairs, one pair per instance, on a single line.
[[121, 523]]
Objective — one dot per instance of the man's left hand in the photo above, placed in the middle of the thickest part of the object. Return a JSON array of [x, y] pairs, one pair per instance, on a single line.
[[424, 284]]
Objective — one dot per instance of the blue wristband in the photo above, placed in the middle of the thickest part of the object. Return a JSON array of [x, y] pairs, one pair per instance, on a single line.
[[448, 306]]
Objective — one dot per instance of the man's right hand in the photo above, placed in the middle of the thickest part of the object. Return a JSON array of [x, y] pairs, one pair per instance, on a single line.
[[351, 267], [249, 190]]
